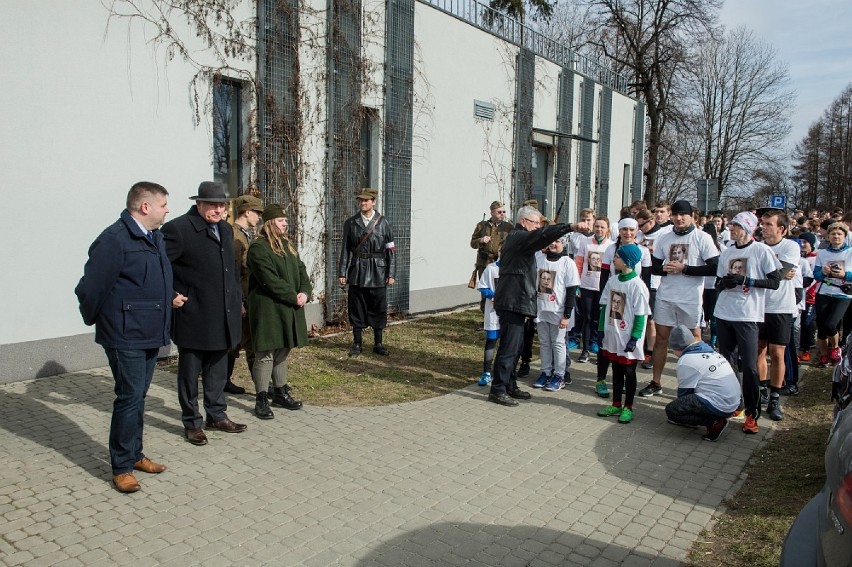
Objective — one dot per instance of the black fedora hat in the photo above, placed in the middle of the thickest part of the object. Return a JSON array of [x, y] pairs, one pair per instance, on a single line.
[[211, 192]]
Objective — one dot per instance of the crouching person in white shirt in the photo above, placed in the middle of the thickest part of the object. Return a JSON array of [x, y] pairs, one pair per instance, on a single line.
[[708, 391]]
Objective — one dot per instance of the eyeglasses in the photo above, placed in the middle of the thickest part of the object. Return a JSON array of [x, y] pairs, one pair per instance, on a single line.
[[500, 212], [641, 224]]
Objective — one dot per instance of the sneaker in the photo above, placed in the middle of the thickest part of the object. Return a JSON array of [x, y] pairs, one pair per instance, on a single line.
[[595, 348], [790, 390], [689, 425], [805, 356], [836, 356], [485, 379], [601, 389], [610, 411], [584, 356], [647, 364], [764, 395], [541, 382], [573, 344], [738, 413], [715, 430], [626, 416], [750, 425], [555, 384], [567, 380], [650, 390], [773, 409], [823, 362], [524, 370]]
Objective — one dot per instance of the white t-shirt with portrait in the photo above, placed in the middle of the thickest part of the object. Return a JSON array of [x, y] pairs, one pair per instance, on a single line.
[[648, 240], [744, 303], [826, 257], [783, 299], [488, 280], [692, 249], [623, 302], [592, 254], [562, 274]]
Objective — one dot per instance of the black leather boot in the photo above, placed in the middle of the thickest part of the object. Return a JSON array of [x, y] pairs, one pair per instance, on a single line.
[[282, 398], [261, 406], [355, 350]]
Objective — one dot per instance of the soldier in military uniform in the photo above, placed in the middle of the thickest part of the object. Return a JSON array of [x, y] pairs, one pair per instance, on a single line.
[[368, 265], [487, 237]]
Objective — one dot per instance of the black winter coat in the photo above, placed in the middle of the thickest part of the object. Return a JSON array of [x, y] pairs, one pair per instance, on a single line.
[[375, 261], [516, 291], [204, 272]]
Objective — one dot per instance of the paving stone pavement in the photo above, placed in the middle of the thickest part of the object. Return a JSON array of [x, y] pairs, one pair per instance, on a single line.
[[452, 480]]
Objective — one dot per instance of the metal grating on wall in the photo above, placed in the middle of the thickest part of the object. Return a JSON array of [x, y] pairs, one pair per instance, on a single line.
[[524, 95], [399, 116], [602, 192], [587, 126], [564, 124], [345, 117], [278, 104], [636, 191]]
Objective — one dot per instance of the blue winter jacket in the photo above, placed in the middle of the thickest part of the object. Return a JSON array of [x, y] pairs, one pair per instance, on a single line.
[[126, 289]]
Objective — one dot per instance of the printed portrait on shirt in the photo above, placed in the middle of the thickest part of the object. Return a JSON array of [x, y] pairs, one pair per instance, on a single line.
[[837, 265], [616, 305], [545, 281], [595, 262], [679, 252], [737, 266]]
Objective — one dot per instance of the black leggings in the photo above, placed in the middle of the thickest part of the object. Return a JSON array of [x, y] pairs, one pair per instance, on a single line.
[[829, 314], [621, 374], [591, 301]]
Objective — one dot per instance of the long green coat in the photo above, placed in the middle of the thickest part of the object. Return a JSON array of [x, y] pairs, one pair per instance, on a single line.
[[274, 281]]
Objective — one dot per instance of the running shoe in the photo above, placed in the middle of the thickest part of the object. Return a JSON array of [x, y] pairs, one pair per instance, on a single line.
[[541, 382], [715, 430], [823, 362], [595, 348], [584, 356], [764, 395], [626, 416], [601, 389], [485, 379], [750, 425], [567, 380], [651, 389], [610, 411], [647, 364], [573, 343], [555, 384], [524, 370], [836, 356], [805, 356]]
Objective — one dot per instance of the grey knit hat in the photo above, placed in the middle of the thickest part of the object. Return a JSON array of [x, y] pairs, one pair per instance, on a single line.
[[681, 337]]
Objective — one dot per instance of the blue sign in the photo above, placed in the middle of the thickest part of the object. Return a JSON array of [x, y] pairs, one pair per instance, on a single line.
[[778, 201]]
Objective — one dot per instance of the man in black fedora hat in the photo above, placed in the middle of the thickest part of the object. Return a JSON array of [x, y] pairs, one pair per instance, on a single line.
[[368, 265], [200, 245]]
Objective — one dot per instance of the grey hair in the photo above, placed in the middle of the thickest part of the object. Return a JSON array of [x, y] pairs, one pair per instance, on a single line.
[[525, 212]]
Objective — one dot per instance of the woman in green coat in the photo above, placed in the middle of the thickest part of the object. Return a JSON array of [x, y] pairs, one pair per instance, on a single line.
[[278, 291]]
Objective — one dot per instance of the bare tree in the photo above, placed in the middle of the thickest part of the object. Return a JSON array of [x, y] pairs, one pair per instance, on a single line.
[[736, 91], [570, 24], [649, 38]]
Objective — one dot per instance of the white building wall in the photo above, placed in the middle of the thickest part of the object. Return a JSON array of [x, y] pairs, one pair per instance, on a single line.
[[461, 164]]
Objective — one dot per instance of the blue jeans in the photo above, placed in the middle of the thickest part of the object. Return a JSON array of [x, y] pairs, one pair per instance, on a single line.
[[132, 371]]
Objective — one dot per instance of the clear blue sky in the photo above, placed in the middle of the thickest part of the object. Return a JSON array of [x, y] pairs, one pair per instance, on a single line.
[[813, 37]]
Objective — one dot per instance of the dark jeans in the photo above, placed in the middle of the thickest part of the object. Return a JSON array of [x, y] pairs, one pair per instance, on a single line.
[[212, 365], [742, 336], [132, 371], [590, 299], [508, 351], [689, 410], [529, 335]]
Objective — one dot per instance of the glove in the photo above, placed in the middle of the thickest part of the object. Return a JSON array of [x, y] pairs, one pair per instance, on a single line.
[[731, 281], [630, 346]]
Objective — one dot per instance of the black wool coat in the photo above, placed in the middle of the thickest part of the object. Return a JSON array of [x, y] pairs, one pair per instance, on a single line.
[[204, 272]]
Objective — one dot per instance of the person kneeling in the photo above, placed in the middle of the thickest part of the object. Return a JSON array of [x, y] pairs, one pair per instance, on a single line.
[[708, 391]]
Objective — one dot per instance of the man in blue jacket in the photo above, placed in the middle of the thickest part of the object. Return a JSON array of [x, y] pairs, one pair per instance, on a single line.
[[126, 292]]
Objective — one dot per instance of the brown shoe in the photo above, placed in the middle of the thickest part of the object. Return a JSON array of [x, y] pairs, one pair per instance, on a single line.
[[125, 482], [195, 436], [147, 465], [226, 425]]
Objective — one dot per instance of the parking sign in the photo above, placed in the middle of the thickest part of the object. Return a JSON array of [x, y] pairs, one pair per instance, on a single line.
[[778, 201]]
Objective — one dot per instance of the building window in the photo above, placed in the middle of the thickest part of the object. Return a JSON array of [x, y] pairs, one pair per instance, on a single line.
[[228, 135], [541, 176], [368, 146]]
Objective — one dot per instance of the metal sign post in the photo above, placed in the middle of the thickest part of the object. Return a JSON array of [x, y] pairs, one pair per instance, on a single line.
[[707, 194]]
